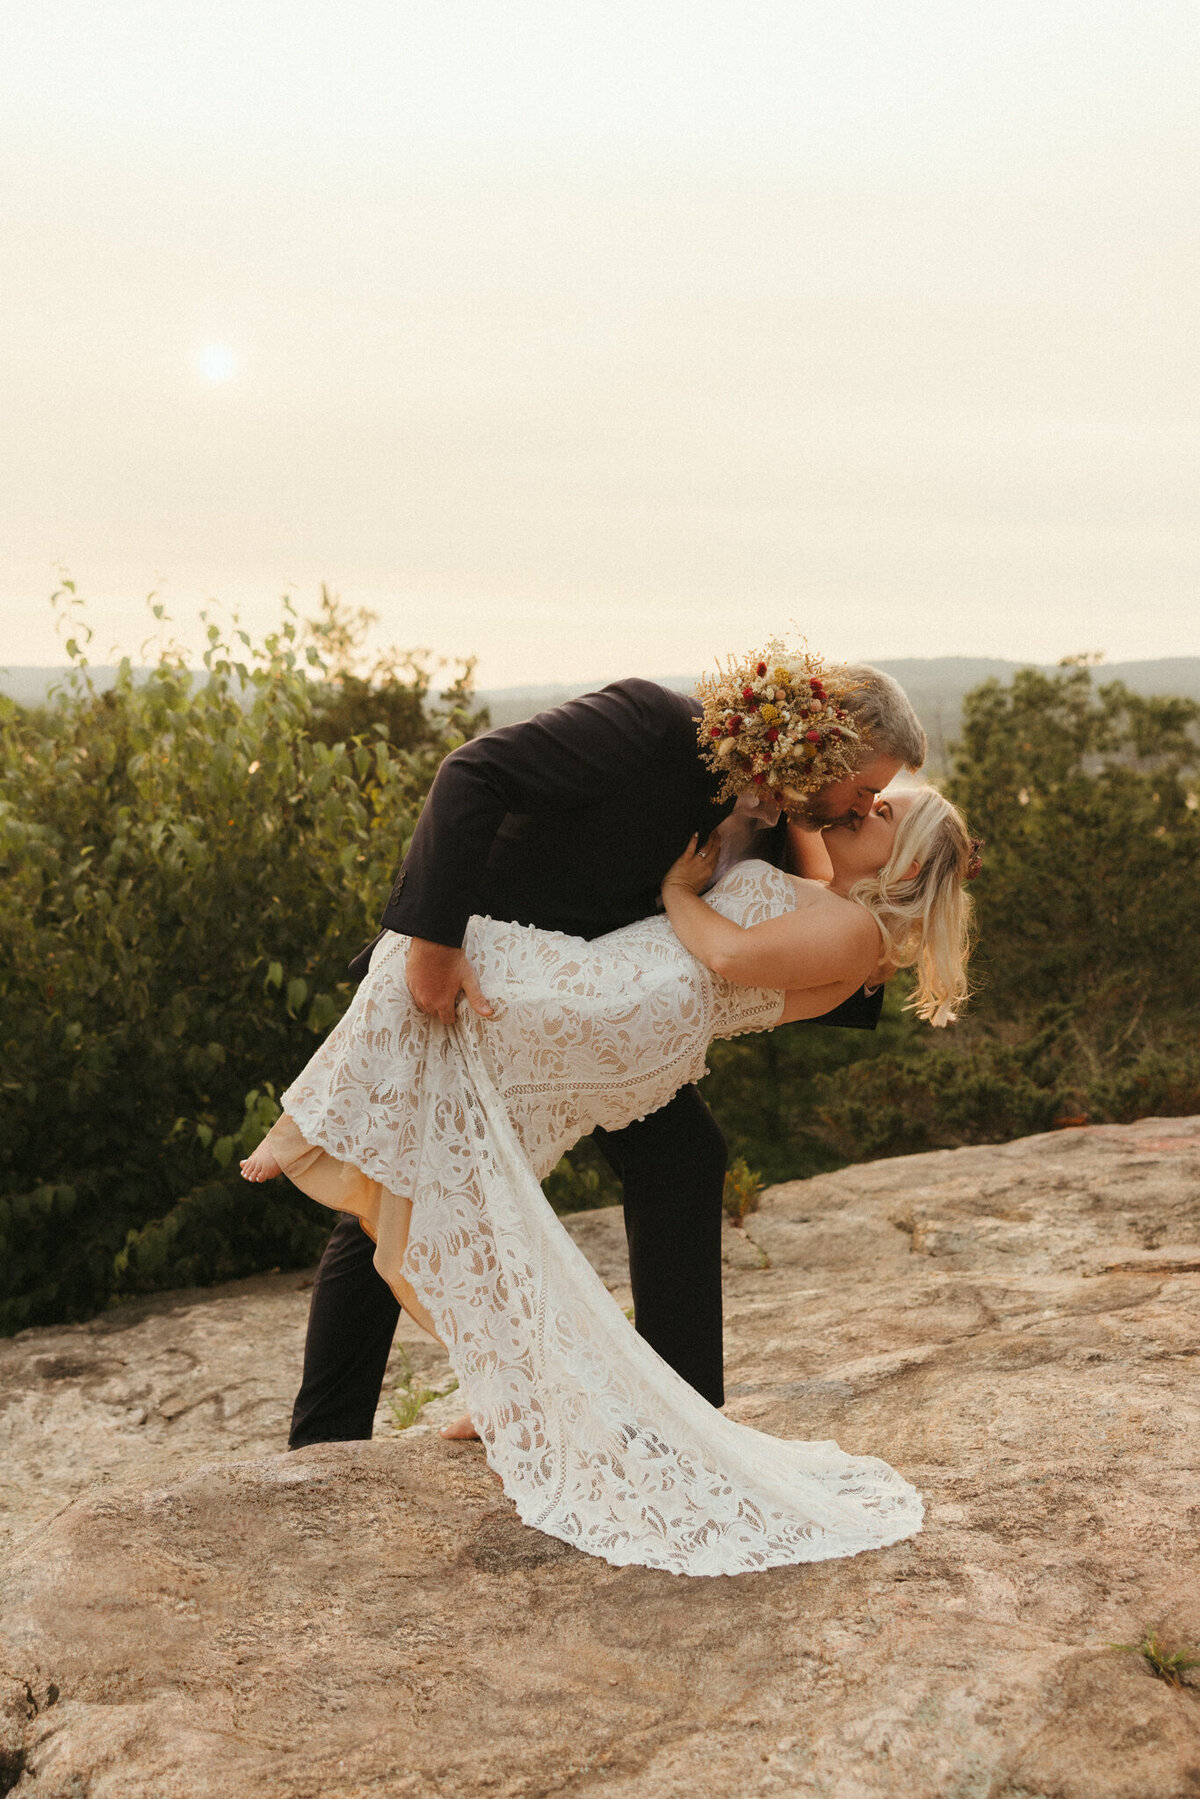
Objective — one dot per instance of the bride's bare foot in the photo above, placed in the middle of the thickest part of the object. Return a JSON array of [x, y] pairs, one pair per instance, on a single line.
[[462, 1430], [261, 1166]]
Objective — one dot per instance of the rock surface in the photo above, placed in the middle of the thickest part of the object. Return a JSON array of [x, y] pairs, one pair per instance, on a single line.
[[1016, 1327], [162, 1385]]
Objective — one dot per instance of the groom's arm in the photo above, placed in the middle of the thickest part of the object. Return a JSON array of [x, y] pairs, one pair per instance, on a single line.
[[861, 1012], [572, 756]]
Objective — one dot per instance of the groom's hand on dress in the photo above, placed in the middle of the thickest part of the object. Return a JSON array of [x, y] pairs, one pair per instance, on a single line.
[[436, 975]]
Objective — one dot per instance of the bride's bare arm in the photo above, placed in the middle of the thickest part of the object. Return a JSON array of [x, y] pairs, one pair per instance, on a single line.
[[824, 946]]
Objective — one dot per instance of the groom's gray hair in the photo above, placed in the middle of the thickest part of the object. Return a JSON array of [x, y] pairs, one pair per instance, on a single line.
[[884, 711]]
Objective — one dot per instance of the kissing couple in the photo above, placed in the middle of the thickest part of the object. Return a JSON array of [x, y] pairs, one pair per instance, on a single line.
[[589, 899]]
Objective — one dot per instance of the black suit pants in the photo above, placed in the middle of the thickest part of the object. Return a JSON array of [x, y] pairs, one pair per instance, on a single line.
[[672, 1168]]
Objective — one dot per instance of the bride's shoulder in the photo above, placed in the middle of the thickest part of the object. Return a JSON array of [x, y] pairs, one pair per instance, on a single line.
[[818, 900]]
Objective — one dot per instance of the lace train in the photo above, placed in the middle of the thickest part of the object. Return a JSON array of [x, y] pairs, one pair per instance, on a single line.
[[596, 1440]]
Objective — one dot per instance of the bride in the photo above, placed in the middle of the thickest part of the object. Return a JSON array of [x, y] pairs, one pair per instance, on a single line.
[[437, 1136]]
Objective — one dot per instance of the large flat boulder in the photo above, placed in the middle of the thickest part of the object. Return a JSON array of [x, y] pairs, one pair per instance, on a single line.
[[1016, 1327], [160, 1386]]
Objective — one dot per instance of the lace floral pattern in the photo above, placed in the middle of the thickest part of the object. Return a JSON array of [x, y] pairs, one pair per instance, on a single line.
[[596, 1439]]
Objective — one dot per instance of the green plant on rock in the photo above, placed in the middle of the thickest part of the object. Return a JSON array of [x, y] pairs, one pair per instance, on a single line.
[[411, 1395], [743, 1191], [1165, 1663]]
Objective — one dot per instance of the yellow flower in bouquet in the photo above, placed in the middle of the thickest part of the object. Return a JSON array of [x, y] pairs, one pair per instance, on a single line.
[[778, 722]]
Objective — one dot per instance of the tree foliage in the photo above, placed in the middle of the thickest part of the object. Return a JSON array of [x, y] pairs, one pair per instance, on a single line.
[[1090, 886], [1087, 908], [189, 860], [186, 867], [389, 694], [1085, 984]]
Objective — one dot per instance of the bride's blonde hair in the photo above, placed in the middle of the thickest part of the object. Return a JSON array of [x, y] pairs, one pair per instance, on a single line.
[[926, 920]]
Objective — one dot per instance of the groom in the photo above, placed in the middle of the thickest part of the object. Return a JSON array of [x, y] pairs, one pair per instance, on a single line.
[[569, 821]]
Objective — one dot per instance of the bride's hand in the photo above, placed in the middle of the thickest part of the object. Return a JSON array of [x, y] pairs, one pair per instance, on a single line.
[[693, 870]]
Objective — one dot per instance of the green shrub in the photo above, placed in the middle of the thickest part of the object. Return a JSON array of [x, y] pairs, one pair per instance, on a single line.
[[765, 1091], [1086, 986], [582, 1181], [388, 695], [743, 1191], [1088, 905], [188, 862], [185, 870], [938, 1096], [1091, 879]]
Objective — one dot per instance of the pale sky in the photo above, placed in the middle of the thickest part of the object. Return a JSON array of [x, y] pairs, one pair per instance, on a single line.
[[601, 338]]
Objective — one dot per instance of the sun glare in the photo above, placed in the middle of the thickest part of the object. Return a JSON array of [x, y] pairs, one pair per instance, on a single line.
[[217, 362]]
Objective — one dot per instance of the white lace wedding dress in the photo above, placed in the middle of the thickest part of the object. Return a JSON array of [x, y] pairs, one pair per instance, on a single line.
[[596, 1439]]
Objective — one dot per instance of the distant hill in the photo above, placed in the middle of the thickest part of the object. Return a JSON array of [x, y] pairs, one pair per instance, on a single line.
[[509, 705], [935, 684]]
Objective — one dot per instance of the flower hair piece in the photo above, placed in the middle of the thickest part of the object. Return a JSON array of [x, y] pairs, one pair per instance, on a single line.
[[777, 722], [975, 859]]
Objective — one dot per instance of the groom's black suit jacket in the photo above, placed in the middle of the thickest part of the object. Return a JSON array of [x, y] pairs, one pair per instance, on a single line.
[[568, 821]]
